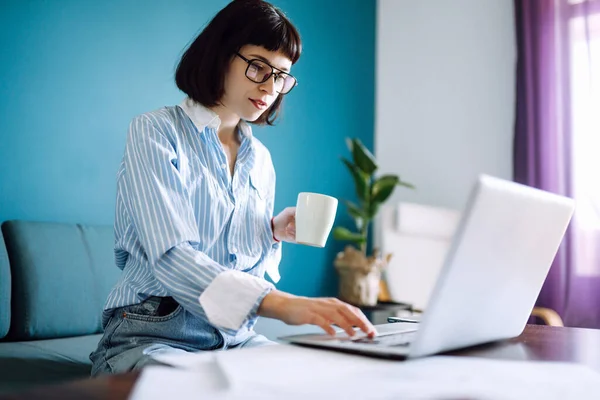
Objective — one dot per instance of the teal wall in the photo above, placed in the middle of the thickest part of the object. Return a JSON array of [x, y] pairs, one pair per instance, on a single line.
[[73, 73]]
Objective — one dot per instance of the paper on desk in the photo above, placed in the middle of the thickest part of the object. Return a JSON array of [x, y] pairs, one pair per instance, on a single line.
[[324, 373], [477, 378], [293, 372], [281, 363], [186, 360], [235, 363], [170, 383], [292, 364]]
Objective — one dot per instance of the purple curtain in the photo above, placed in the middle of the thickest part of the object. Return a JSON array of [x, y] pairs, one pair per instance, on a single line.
[[554, 145]]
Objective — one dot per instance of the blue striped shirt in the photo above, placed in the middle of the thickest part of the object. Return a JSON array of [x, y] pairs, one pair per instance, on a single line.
[[185, 227]]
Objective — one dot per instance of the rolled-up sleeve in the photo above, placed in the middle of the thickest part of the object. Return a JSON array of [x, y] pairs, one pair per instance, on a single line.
[[163, 217], [273, 257]]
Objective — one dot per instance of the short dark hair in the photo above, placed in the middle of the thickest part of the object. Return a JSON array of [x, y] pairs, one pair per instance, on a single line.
[[201, 70]]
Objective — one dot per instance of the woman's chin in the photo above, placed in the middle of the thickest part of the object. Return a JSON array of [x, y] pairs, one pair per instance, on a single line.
[[252, 116]]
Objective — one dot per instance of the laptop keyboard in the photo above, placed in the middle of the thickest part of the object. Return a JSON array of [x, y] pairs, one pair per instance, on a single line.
[[391, 340]]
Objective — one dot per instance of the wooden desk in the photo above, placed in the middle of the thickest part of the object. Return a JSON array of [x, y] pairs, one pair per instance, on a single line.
[[537, 343]]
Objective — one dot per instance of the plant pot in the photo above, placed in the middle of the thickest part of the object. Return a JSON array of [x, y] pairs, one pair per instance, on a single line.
[[359, 276]]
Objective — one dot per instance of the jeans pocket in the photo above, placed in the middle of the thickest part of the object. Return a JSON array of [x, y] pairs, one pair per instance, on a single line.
[[153, 309]]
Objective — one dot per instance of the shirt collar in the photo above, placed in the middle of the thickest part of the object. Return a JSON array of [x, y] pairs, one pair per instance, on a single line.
[[202, 117]]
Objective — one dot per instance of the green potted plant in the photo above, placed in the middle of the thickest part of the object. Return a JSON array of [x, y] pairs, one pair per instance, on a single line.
[[360, 274]]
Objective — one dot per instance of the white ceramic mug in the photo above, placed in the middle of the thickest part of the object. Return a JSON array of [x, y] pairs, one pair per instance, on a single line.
[[315, 214]]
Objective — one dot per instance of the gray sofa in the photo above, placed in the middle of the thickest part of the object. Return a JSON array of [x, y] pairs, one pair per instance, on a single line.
[[54, 279]]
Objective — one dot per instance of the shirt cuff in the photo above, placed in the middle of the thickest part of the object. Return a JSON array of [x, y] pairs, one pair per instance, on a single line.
[[275, 240], [257, 303], [232, 298], [272, 261]]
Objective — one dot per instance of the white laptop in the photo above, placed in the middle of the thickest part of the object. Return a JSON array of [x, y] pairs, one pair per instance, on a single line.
[[500, 255]]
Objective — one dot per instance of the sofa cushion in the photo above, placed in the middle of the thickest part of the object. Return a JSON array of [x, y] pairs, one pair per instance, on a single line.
[[61, 276], [4, 289], [24, 364]]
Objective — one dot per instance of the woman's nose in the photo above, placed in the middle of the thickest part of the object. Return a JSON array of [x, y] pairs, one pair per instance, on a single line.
[[269, 85]]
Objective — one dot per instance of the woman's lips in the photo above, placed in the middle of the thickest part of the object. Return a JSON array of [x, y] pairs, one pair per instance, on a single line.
[[259, 104]]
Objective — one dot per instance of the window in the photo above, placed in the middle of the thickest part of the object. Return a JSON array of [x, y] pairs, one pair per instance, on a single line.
[[584, 71]]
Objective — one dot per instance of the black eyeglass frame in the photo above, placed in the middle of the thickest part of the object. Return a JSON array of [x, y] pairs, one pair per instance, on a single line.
[[277, 74]]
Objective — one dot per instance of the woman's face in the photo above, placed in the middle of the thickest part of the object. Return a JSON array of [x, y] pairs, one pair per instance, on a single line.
[[245, 98]]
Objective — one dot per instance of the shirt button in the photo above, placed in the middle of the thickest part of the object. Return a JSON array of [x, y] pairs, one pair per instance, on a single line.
[[234, 250], [223, 166]]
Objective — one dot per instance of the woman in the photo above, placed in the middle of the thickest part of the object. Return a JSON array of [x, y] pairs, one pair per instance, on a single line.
[[195, 192]]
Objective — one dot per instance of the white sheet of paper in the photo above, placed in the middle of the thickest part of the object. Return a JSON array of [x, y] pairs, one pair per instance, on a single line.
[[164, 383], [292, 372], [293, 365], [186, 360]]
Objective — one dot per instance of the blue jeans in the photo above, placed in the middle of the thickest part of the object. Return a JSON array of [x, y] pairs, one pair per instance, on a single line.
[[134, 334]]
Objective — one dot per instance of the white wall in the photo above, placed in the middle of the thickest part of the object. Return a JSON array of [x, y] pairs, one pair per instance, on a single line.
[[445, 95]]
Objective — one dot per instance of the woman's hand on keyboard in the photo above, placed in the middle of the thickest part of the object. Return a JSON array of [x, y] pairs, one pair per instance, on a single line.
[[323, 312]]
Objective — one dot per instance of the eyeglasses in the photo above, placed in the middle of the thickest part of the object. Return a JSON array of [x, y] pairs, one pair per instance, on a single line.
[[259, 71]]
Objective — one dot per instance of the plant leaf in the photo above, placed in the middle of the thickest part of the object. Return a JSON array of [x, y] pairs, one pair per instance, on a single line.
[[360, 180], [406, 184], [357, 213], [350, 145], [354, 210], [383, 187], [373, 209], [363, 157], [340, 233]]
